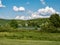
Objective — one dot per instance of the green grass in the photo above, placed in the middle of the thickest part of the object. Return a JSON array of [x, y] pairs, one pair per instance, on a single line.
[[31, 35], [27, 42], [27, 37]]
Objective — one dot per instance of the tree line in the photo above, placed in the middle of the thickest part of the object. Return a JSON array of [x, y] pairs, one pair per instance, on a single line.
[[51, 24]]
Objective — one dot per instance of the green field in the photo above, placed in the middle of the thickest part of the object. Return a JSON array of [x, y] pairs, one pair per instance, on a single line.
[[29, 38], [27, 42], [31, 35]]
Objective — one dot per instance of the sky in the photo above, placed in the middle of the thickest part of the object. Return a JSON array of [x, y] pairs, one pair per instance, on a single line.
[[28, 9]]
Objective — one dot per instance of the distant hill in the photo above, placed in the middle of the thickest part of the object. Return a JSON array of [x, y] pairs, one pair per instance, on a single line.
[[3, 21], [38, 21]]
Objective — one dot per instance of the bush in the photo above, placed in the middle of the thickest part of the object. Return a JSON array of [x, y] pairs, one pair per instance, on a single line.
[[48, 28], [54, 19], [13, 24]]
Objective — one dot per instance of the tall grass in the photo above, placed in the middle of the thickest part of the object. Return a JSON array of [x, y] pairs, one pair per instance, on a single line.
[[31, 35]]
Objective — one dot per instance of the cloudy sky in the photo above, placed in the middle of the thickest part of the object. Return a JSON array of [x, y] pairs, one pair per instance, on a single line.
[[28, 9]]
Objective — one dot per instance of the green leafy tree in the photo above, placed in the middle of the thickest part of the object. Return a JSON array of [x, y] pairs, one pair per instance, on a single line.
[[48, 27], [54, 19], [14, 24]]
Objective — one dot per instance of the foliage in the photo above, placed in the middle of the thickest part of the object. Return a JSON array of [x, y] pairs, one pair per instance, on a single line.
[[54, 19], [48, 28], [53, 24], [14, 24], [31, 35]]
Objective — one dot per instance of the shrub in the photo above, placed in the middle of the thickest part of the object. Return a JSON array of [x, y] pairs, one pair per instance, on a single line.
[[48, 28]]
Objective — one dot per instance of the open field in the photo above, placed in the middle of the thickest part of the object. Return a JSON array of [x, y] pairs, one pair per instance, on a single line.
[[27, 42], [31, 35]]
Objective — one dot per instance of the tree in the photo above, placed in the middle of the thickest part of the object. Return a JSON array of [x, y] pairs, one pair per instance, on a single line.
[[48, 27], [14, 24], [54, 19]]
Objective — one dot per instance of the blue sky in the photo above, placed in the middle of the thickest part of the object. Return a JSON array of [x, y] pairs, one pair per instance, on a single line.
[[21, 9]]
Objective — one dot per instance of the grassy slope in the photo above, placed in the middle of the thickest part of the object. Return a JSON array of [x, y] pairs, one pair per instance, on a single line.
[[27, 42], [25, 35], [29, 38], [43, 20], [3, 21]]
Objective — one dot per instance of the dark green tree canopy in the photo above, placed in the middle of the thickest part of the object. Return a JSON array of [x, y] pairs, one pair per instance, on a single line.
[[14, 24], [54, 19]]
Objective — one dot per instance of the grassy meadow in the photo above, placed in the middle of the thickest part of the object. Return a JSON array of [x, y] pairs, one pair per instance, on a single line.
[[31, 35], [27, 42], [29, 38]]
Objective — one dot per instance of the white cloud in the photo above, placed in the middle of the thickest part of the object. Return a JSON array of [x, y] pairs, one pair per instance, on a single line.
[[46, 11], [41, 13], [43, 2], [31, 17], [23, 17], [1, 5], [21, 9], [36, 15], [15, 8], [20, 17]]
